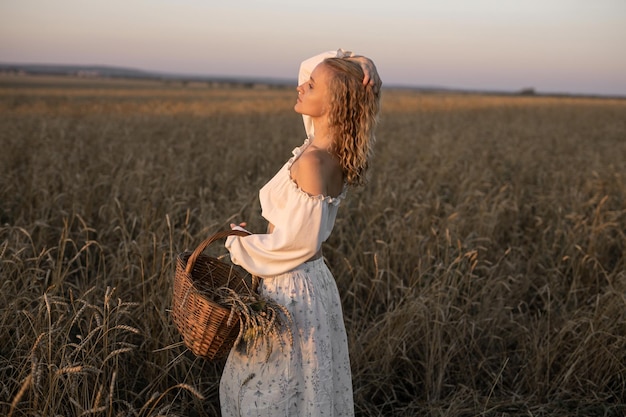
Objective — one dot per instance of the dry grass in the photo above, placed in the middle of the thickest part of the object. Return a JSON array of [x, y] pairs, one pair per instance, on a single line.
[[483, 269]]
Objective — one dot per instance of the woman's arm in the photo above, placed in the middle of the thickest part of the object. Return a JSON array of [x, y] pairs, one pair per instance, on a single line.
[[290, 244]]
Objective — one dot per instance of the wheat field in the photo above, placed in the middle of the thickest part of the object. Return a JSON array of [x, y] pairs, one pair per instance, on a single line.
[[482, 269]]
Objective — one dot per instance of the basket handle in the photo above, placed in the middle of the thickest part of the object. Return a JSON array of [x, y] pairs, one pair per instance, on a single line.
[[206, 242]]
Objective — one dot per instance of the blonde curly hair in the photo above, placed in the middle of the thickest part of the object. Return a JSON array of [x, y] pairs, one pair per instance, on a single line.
[[353, 116]]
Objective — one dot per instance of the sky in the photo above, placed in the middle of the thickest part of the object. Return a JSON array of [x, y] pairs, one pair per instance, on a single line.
[[553, 46]]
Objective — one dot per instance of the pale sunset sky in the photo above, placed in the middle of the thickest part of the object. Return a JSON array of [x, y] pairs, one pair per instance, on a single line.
[[554, 46]]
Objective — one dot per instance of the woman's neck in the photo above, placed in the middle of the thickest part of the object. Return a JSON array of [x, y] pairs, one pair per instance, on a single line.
[[322, 138]]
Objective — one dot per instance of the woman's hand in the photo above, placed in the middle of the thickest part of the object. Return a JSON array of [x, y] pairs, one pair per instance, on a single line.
[[239, 226], [371, 77]]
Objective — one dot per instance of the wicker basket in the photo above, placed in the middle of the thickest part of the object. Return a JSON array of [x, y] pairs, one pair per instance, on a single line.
[[201, 321]]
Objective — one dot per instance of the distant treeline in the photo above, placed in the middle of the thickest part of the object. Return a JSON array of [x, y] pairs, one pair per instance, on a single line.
[[127, 73]]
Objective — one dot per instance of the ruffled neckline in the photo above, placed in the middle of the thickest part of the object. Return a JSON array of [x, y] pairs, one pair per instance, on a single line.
[[326, 198]]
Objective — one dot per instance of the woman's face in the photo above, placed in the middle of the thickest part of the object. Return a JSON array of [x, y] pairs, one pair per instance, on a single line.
[[313, 95]]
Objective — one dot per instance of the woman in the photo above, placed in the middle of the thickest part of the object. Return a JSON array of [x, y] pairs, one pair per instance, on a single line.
[[310, 376]]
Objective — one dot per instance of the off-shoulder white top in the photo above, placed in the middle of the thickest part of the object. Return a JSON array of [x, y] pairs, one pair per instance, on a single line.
[[301, 222]]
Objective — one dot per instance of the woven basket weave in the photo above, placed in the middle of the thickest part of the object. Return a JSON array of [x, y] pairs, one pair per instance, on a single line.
[[202, 322]]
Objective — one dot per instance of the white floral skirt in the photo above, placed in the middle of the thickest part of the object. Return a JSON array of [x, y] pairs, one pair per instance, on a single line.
[[310, 378]]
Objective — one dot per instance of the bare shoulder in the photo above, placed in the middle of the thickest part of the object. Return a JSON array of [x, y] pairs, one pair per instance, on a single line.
[[314, 172], [307, 172]]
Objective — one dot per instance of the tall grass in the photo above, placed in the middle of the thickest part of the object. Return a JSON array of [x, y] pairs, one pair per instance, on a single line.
[[483, 268]]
